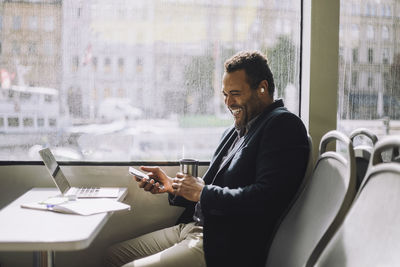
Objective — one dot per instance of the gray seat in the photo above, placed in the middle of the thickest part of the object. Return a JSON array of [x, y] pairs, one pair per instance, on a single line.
[[370, 233], [362, 152], [320, 207], [310, 164], [395, 154]]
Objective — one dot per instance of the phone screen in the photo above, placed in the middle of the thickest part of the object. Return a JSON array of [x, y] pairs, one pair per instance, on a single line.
[[138, 173], [142, 175]]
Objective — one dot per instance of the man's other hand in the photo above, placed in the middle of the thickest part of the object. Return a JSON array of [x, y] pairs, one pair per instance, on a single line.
[[188, 186]]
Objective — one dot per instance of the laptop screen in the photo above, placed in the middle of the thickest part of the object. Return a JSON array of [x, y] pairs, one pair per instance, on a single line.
[[54, 169]]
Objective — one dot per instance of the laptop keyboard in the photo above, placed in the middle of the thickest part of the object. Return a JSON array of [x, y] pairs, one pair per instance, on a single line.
[[87, 192]]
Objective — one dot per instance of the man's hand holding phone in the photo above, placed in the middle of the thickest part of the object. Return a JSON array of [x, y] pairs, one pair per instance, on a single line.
[[156, 181]]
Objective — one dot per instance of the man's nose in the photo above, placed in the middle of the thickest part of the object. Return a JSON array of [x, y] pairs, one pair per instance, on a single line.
[[229, 100]]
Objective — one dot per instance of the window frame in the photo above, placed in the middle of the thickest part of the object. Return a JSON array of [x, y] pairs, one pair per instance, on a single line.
[[313, 84]]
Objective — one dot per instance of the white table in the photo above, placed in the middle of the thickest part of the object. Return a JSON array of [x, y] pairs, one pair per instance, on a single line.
[[45, 231]]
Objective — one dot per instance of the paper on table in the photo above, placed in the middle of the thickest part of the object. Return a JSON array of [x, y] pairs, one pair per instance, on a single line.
[[81, 206]]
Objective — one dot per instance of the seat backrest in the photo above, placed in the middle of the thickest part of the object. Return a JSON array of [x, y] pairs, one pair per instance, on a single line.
[[370, 233], [362, 152], [395, 154], [319, 207], [310, 164]]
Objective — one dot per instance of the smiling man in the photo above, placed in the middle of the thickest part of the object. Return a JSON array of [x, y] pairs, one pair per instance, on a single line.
[[243, 97], [255, 172]]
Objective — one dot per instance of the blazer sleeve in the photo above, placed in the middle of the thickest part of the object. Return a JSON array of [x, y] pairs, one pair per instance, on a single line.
[[179, 201], [281, 161]]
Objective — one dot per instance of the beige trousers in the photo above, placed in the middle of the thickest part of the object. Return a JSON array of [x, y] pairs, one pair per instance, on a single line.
[[179, 245]]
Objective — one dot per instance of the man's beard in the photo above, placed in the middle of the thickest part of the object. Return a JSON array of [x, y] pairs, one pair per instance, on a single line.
[[241, 125]]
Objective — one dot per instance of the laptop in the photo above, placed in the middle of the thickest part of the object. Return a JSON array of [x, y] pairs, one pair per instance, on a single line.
[[63, 185]]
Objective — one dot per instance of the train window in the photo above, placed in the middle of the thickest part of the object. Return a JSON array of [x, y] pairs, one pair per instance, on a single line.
[[33, 22], [370, 55], [75, 63], [372, 99], [16, 23], [370, 32], [52, 122], [27, 122], [25, 96], [385, 56], [16, 48], [141, 79], [49, 47], [40, 122], [107, 64], [385, 33], [13, 122], [48, 23], [94, 63], [121, 64], [48, 98], [355, 55]]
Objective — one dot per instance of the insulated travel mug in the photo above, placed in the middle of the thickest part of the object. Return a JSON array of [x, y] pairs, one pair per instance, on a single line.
[[189, 166]]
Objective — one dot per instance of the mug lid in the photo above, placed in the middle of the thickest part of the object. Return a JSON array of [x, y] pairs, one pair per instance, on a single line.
[[188, 161]]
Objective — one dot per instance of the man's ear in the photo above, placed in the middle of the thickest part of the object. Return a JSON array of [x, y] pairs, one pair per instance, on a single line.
[[262, 89]]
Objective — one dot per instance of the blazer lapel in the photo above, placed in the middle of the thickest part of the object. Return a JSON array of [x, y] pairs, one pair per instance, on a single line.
[[239, 146], [232, 153], [261, 120], [216, 166]]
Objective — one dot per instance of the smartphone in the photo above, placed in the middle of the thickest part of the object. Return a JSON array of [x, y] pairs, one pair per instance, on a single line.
[[142, 175], [138, 173]]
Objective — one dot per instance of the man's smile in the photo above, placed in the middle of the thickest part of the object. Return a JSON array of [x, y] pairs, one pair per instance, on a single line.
[[236, 112]]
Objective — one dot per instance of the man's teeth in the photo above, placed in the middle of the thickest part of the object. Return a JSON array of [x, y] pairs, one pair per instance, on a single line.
[[235, 111]]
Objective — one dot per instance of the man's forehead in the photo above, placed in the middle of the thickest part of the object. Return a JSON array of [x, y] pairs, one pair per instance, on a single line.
[[234, 81]]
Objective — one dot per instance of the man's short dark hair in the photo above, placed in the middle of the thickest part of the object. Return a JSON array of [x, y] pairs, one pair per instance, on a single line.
[[256, 67]]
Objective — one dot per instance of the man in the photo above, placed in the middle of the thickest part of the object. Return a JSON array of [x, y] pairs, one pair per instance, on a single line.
[[254, 174]]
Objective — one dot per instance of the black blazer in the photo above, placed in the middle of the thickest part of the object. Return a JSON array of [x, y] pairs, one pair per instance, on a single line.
[[246, 195]]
